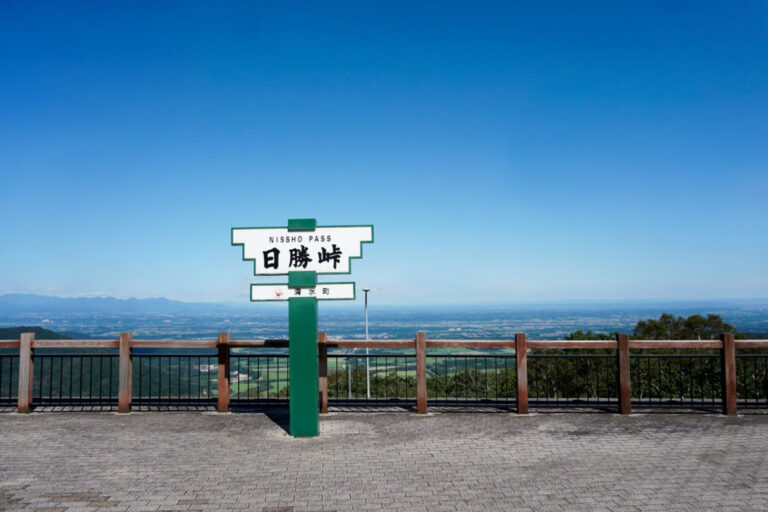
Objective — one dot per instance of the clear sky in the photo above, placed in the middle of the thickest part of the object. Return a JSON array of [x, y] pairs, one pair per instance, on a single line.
[[581, 150]]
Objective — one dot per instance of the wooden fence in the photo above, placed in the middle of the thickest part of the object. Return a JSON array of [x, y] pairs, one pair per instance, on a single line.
[[622, 345]]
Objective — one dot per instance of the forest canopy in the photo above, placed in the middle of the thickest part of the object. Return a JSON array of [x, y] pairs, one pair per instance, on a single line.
[[668, 327]]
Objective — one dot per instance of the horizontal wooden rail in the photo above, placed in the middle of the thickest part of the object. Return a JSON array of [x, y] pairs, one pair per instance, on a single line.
[[580, 344], [676, 344], [531, 344], [470, 343], [76, 344], [371, 344], [259, 343], [173, 344], [751, 344]]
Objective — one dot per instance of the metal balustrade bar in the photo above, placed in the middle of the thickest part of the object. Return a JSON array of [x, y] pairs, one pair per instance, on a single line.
[[9, 377]]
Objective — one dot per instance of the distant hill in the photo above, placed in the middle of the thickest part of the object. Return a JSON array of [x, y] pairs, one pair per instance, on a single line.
[[14, 333], [21, 303]]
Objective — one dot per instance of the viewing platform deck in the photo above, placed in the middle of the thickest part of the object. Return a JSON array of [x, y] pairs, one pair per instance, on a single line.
[[441, 461]]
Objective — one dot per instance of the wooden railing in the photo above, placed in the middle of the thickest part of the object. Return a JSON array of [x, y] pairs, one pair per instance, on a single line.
[[727, 345]]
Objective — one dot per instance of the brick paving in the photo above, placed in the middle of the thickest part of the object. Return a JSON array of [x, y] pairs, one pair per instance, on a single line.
[[159, 461]]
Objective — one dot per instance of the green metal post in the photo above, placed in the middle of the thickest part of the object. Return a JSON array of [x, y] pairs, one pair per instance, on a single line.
[[303, 389]]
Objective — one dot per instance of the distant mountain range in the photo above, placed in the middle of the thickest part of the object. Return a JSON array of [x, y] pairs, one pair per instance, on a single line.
[[18, 305], [28, 303]]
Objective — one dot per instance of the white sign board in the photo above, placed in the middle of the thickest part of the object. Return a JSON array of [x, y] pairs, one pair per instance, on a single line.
[[325, 250], [325, 291]]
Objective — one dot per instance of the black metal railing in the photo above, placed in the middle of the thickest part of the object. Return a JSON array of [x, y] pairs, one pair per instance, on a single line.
[[675, 380], [174, 380], [572, 380], [9, 379], [74, 379], [258, 379], [471, 380], [752, 380], [392, 379]]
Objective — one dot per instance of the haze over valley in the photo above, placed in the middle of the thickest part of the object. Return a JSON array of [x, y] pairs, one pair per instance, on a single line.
[[161, 318]]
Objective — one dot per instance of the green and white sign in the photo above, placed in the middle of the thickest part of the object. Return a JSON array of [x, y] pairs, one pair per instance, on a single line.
[[323, 249], [302, 250]]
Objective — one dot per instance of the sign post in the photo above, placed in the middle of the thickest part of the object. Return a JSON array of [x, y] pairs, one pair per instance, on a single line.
[[302, 250], [303, 370]]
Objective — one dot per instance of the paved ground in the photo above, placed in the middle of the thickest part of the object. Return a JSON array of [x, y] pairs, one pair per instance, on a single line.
[[383, 461]]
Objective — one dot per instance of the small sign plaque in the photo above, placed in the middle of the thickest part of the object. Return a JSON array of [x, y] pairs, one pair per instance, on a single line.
[[323, 291]]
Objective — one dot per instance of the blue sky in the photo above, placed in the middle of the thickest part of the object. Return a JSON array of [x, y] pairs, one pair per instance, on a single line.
[[502, 152]]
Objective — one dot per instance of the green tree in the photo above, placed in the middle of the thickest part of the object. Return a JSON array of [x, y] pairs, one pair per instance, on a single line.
[[590, 335], [695, 327]]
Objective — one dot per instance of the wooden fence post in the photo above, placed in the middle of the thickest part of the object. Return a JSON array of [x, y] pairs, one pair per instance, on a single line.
[[223, 383], [26, 372], [421, 373], [728, 373], [625, 384], [322, 369], [125, 383], [521, 373]]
